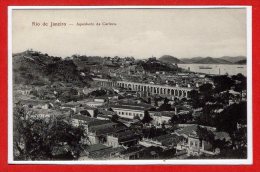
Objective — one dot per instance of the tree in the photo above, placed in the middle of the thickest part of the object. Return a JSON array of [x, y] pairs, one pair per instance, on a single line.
[[165, 106], [205, 134], [228, 119], [147, 118], [37, 139], [206, 88], [194, 95], [222, 83], [115, 118], [241, 82]]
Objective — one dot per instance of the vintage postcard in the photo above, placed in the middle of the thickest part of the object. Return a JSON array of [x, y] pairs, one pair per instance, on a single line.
[[130, 85]]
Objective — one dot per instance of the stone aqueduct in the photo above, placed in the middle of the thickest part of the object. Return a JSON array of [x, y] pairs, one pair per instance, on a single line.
[[149, 89]]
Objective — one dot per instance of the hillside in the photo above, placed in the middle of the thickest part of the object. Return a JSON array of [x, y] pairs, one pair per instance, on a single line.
[[35, 68], [153, 65], [170, 59], [242, 62], [191, 60], [233, 59], [210, 60]]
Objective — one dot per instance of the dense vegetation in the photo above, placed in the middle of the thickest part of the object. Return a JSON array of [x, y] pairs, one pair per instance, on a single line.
[[42, 139], [36, 68]]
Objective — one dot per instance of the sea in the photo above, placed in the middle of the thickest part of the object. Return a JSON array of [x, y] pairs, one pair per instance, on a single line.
[[215, 69]]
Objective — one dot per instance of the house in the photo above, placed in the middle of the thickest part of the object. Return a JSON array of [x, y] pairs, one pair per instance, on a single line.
[[132, 153], [95, 103], [161, 117], [86, 122], [192, 144], [91, 149], [166, 141], [130, 110], [128, 122], [89, 111], [71, 105], [98, 134], [125, 138], [100, 99], [107, 113], [105, 154]]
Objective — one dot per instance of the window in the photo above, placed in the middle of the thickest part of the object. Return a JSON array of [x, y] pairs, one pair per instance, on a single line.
[[141, 115], [191, 143], [130, 114], [122, 113], [119, 113]]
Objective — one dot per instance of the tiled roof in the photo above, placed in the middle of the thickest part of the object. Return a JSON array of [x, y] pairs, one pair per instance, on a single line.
[[163, 113], [105, 153], [133, 149], [186, 131], [132, 106], [93, 148], [106, 129], [126, 136], [91, 121]]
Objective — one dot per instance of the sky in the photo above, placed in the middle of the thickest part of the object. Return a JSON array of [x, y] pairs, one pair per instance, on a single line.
[[140, 33]]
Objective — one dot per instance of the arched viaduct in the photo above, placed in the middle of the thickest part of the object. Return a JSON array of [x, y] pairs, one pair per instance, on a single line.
[[149, 89]]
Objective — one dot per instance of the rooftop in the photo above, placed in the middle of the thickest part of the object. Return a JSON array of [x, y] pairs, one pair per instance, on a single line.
[[186, 131], [93, 148], [106, 153], [133, 106], [106, 129], [91, 121]]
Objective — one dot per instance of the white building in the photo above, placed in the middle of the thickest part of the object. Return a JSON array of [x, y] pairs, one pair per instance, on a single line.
[[130, 110]]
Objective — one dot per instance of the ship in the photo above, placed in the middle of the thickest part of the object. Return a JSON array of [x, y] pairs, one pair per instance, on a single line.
[[205, 67]]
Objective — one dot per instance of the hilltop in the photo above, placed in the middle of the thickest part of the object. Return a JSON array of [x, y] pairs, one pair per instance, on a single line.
[[170, 59], [153, 65], [31, 67]]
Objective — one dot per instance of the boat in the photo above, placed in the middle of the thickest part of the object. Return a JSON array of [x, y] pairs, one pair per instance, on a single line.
[[205, 67]]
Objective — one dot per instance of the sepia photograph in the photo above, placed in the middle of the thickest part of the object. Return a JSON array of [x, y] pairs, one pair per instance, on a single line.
[[130, 85]]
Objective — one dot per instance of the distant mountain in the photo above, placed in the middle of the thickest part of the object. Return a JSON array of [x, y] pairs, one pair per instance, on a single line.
[[211, 60], [242, 62], [191, 60], [233, 59], [169, 59]]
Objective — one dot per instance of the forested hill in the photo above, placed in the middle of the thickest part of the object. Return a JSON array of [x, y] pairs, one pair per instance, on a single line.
[[170, 59], [35, 68]]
